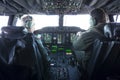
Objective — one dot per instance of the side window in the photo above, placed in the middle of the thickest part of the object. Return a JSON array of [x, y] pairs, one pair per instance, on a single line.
[[3, 21], [116, 18]]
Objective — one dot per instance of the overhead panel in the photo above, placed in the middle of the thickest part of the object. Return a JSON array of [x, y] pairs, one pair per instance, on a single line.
[[61, 6]]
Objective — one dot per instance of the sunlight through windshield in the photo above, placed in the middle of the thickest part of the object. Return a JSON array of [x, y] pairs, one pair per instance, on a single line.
[[116, 18], [81, 21], [43, 21], [3, 21]]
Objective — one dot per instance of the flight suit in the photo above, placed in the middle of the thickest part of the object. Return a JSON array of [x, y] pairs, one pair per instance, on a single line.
[[83, 44]]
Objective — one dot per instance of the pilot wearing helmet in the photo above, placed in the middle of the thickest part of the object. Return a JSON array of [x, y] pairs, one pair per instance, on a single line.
[[29, 24], [83, 45]]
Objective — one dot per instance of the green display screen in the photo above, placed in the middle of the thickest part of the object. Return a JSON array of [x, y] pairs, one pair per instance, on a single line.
[[47, 37], [54, 49], [60, 49], [68, 51]]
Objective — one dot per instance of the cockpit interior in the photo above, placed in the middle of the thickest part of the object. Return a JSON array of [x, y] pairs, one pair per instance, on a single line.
[[57, 24]]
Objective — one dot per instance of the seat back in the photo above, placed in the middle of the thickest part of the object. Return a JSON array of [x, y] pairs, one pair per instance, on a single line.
[[95, 60], [19, 56], [104, 63]]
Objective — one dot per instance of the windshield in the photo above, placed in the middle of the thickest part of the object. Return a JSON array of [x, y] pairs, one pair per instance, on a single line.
[[3, 21], [116, 18], [41, 21], [81, 21]]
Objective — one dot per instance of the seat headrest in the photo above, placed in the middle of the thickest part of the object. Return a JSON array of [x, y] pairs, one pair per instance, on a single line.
[[112, 30], [13, 32]]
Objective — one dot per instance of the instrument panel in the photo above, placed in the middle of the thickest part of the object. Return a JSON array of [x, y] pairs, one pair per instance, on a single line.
[[58, 41], [58, 35]]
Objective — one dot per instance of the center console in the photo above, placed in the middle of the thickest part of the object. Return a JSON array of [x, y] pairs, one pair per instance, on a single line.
[[63, 65]]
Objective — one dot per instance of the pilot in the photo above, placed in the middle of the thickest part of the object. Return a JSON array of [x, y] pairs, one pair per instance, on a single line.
[[29, 24], [84, 43]]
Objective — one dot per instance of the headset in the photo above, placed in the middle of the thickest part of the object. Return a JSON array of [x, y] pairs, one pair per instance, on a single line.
[[93, 21], [28, 22]]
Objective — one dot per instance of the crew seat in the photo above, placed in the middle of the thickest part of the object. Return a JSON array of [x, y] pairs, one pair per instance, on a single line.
[[20, 58], [105, 60]]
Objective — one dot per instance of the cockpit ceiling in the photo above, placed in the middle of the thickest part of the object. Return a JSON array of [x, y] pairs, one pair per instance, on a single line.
[[57, 6]]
